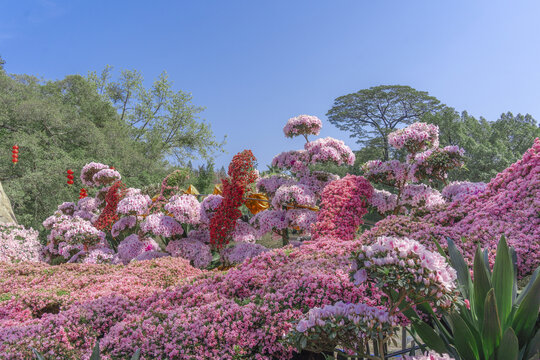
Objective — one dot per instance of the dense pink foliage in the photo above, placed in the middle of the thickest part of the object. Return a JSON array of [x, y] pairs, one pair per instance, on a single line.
[[18, 244], [510, 205], [302, 125], [344, 203]]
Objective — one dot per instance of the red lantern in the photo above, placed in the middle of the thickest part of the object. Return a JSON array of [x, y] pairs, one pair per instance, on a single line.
[[70, 177], [83, 193], [15, 154]]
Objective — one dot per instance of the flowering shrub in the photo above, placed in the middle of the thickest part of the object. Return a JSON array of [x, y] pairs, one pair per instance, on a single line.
[[89, 170], [431, 164], [161, 225], [344, 203], [208, 207], [302, 125], [18, 244], [297, 194], [508, 205], [133, 246], [185, 208], [329, 150]]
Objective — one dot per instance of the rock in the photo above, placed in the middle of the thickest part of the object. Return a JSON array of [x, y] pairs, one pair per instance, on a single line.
[[6, 213]]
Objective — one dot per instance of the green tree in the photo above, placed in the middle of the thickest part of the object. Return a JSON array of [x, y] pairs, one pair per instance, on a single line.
[[62, 125], [163, 120], [205, 178], [490, 147], [373, 113]]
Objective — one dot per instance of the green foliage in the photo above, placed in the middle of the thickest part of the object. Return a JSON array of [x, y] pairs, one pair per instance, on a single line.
[[499, 324], [65, 124], [371, 114], [490, 147]]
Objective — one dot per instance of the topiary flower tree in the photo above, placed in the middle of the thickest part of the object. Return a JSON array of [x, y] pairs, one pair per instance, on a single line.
[[295, 192], [425, 161]]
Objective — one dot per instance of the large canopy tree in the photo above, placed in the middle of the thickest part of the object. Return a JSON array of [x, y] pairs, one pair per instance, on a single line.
[[371, 114]]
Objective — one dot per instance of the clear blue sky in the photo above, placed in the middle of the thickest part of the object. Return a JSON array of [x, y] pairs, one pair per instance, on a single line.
[[254, 64]]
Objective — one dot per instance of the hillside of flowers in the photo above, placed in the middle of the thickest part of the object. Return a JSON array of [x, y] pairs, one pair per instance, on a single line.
[[179, 275]]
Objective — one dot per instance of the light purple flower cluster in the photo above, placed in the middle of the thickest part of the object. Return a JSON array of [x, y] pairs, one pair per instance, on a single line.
[[296, 194], [329, 150], [392, 173], [416, 137], [185, 208], [150, 255], [126, 222], [301, 218], [270, 220], [458, 190], [106, 176], [101, 255], [88, 204], [134, 205], [238, 253], [422, 196], [409, 266], [18, 244], [244, 232], [270, 184], [195, 251], [384, 201], [435, 163], [371, 319], [209, 206], [67, 208], [161, 225], [89, 170], [294, 160], [302, 125], [317, 180], [201, 234], [132, 246]]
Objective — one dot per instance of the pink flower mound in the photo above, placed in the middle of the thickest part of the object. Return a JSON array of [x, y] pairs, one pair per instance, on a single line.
[[458, 190], [416, 137], [329, 149], [89, 170], [161, 225], [242, 251], [106, 176], [193, 250], [344, 203], [245, 311], [132, 246], [296, 194], [18, 244], [185, 208], [33, 290], [509, 205]]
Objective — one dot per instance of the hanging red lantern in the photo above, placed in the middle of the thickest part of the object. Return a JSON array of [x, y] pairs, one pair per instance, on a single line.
[[15, 154], [83, 193], [70, 177]]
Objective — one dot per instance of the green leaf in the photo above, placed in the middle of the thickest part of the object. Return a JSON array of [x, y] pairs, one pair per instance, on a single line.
[[458, 263], [136, 355], [464, 338], [429, 336], [481, 285], [526, 289], [533, 351], [491, 327], [96, 353], [527, 313], [509, 349], [503, 281]]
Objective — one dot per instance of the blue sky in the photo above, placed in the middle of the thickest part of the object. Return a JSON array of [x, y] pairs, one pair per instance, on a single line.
[[255, 64]]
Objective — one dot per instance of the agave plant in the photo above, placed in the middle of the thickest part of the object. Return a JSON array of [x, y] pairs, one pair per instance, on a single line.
[[96, 354], [494, 322]]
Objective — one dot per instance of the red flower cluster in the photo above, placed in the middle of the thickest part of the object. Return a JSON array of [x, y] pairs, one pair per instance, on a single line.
[[109, 216], [344, 203], [242, 173]]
